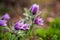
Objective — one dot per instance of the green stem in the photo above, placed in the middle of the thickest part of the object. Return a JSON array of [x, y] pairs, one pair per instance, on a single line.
[[30, 34], [32, 24]]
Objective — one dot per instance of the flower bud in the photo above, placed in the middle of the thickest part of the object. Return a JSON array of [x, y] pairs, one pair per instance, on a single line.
[[34, 9]]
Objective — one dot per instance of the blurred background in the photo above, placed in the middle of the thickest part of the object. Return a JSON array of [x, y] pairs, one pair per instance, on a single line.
[[50, 8]]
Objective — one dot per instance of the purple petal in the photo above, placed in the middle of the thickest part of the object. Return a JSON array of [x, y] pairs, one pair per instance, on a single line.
[[6, 17], [3, 23]]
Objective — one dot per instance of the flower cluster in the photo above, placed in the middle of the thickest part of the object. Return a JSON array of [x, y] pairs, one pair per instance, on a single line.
[[34, 9], [24, 26], [20, 25]]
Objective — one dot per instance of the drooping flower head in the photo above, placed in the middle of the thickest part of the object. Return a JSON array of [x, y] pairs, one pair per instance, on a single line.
[[21, 26], [39, 21], [18, 25], [34, 9], [25, 27], [3, 23], [6, 17]]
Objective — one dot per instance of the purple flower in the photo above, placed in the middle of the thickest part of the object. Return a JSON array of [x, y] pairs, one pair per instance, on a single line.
[[25, 27], [6, 17], [21, 26], [39, 21], [3, 23], [18, 25], [34, 8]]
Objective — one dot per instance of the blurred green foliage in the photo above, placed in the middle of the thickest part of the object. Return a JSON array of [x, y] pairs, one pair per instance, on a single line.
[[55, 23], [1, 34], [50, 33]]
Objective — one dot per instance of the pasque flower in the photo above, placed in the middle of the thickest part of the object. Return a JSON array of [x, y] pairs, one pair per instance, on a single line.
[[6, 17], [18, 25], [3, 23], [39, 21], [25, 27], [34, 9], [21, 26]]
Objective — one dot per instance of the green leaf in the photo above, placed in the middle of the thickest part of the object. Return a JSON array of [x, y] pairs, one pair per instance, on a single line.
[[7, 36], [13, 37]]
